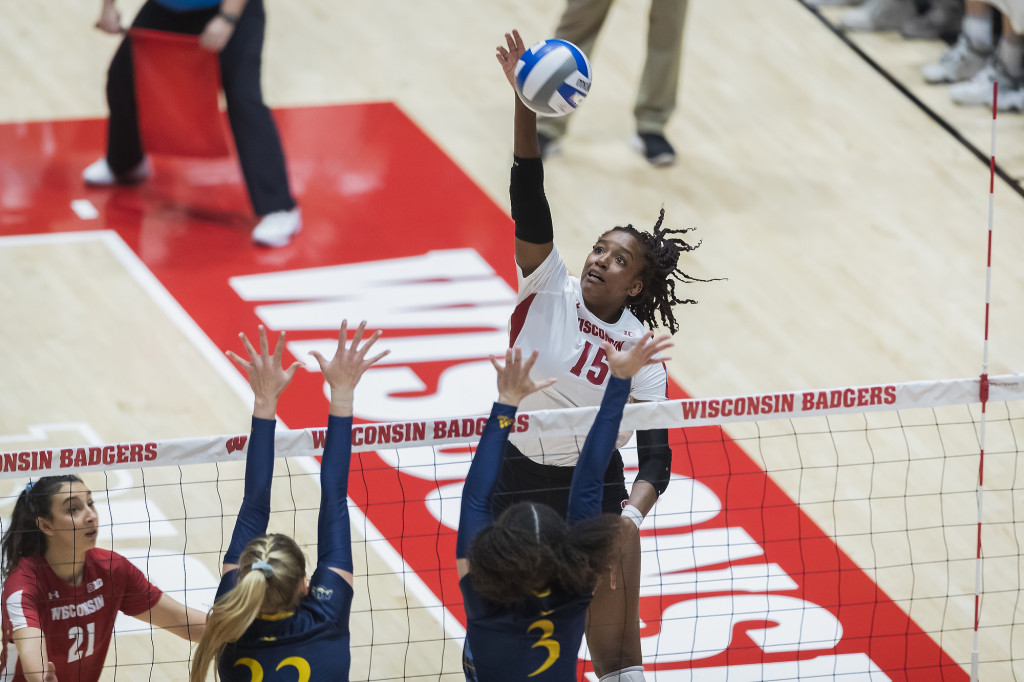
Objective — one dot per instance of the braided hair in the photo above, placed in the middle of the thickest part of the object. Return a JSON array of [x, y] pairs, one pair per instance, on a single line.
[[659, 274], [257, 590], [23, 537]]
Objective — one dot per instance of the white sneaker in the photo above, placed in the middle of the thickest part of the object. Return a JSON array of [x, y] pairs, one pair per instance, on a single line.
[[961, 62], [1011, 100], [879, 15], [977, 92], [277, 228], [98, 174]]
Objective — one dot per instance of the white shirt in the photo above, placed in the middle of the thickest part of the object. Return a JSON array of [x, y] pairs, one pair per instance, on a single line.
[[550, 317]]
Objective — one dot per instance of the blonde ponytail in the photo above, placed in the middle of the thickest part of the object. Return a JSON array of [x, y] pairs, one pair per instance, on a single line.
[[256, 592]]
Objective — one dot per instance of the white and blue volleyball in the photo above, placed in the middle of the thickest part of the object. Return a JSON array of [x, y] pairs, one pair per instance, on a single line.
[[553, 77]]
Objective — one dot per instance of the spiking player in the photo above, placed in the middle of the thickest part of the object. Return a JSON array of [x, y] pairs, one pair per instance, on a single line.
[[628, 281], [268, 623], [528, 577], [62, 593]]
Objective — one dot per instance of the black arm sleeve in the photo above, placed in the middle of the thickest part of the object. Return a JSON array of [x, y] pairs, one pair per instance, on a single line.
[[530, 209], [655, 458]]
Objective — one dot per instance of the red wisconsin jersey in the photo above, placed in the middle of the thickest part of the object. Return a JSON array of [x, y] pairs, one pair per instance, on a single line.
[[77, 620], [551, 317]]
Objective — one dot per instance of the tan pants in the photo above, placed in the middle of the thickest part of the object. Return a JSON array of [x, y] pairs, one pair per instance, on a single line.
[[656, 99]]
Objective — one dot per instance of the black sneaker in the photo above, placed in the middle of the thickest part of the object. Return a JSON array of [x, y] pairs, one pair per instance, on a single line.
[[655, 148], [549, 146]]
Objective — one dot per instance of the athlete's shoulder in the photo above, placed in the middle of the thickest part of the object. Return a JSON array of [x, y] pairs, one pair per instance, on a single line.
[[25, 577]]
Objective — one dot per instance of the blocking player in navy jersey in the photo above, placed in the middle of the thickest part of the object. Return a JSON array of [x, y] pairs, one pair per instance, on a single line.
[[628, 283], [62, 593], [528, 577], [268, 623]]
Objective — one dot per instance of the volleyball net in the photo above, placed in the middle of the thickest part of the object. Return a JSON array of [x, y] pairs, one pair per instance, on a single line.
[[819, 534]]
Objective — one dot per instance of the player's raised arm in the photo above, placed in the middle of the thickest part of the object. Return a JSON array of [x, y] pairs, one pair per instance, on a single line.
[[268, 379], [514, 384], [530, 210], [342, 373]]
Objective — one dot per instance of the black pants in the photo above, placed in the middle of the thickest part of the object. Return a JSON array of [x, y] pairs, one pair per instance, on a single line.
[[259, 146], [523, 480]]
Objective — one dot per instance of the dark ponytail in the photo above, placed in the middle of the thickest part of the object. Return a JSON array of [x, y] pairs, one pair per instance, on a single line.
[[23, 537], [530, 548]]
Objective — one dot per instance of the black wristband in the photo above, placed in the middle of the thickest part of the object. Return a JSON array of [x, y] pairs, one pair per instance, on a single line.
[[230, 18], [530, 209]]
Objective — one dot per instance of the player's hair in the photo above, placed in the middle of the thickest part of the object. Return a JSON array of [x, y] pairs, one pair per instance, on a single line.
[[530, 548], [255, 592], [23, 537], [659, 273]]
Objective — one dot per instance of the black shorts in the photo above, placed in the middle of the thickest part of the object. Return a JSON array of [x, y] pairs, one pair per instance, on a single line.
[[523, 480]]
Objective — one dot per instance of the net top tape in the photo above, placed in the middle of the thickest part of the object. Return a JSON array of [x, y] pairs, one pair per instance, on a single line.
[[564, 422]]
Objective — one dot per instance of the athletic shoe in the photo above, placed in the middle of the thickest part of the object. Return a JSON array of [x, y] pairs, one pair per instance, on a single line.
[[941, 21], [277, 228], [1011, 100], [655, 148], [549, 146], [879, 15], [98, 174], [960, 63], [977, 92]]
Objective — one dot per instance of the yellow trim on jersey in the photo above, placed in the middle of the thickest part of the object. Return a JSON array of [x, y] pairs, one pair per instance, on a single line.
[[276, 616]]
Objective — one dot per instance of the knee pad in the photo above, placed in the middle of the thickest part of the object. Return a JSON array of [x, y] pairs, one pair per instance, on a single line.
[[633, 673]]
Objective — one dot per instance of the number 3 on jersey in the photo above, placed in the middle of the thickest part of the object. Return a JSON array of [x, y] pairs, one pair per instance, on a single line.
[[598, 366], [547, 628], [300, 664]]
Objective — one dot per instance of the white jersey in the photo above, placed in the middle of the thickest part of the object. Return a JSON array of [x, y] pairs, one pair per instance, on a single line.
[[550, 317]]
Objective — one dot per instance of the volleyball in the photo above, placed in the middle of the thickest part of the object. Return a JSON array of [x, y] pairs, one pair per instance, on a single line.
[[553, 77]]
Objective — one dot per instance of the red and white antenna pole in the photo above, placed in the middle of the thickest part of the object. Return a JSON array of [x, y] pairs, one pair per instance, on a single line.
[[983, 387]]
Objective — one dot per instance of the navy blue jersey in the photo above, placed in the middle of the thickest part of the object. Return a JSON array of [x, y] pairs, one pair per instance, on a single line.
[[537, 639], [309, 644]]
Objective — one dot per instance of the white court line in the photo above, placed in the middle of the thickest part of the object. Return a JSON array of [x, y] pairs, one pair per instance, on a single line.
[[177, 314]]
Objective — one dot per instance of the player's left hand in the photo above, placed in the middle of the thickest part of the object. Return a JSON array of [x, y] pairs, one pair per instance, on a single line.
[[343, 371], [267, 378], [50, 674], [217, 33]]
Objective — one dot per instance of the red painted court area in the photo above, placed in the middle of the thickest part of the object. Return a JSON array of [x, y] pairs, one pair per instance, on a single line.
[[373, 188]]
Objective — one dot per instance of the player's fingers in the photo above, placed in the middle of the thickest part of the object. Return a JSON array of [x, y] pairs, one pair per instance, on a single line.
[[279, 349], [290, 372], [248, 346], [377, 357], [358, 335], [264, 348], [319, 359], [238, 361], [546, 383], [370, 341], [494, 362], [528, 365]]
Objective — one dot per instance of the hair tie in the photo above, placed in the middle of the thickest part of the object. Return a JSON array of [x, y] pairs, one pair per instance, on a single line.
[[268, 570], [28, 487]]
